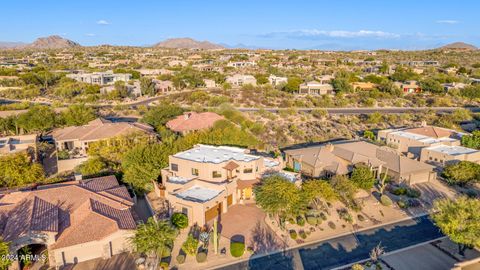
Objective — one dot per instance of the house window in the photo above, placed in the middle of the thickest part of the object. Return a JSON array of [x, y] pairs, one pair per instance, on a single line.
[[195, 171], [216, 174], [174, 167], [430, 158], [247, 170], [185, 211]]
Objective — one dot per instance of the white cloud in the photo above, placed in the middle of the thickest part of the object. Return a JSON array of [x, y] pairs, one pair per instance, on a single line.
[[312, 33], [103, 22], [90, 35], [447, 21]]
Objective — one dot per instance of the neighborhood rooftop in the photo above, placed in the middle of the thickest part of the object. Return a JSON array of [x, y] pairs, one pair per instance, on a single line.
[[452, 150], [198, 194], [215, 154]]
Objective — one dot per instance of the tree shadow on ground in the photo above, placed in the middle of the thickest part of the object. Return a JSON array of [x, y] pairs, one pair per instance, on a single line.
[[263, 240]]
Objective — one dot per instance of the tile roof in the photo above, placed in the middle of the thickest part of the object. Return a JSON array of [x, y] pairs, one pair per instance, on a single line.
[[191, 121], [431, 131], [77, 212], [98, 130]]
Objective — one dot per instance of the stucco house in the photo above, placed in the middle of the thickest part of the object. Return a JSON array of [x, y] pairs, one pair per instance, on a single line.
[[411, 141], [339, 158], [193, 121], [74, 221], [238, 80], [203, 182], [18, 144], [446, 154], [75, 140]]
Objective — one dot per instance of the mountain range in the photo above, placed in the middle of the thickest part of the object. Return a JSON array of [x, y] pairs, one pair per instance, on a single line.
[[57, 42]]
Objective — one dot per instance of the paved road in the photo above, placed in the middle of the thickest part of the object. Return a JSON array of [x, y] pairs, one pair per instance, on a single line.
[[348, 249]]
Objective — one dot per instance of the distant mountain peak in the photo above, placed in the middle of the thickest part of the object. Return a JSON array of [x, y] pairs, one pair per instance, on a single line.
[[459, 46], [187, 43], [52, 42]]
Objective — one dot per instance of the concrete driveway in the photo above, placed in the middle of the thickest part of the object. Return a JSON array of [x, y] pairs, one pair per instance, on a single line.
[[247, 223]]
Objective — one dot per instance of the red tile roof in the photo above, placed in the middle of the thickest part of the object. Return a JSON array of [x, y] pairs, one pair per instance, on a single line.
[[192, 121], [77, 212]]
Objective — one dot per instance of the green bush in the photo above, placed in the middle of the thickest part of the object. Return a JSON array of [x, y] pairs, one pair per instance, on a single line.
[[164, 265], [180, 220], [413, 193], [180, 258], [385, 200], [293, 234], [237, 249], [291, 221], [311, 220], [360, 217], [323, 216], [302, 234], [399, 191], [402, 204], [332, 225], [201, 257], [300, 221], [166, 253]]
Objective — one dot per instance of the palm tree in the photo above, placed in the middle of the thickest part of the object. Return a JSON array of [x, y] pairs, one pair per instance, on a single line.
[[153, 238]]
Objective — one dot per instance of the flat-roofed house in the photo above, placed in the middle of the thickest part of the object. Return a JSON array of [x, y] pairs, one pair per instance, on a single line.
[[276, 80], [163, 86], [339, 158], [238, 80], [315, 88], [447, 154], [413, 140], [20, 143], [75, 140], [74, 221], [100, 78], [203, 182], [193, 121]]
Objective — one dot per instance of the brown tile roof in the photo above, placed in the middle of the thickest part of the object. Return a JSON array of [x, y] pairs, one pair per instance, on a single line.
[[333, 156], [431, 131], [77, 212], [230, 166], [98, 130], [192, 121]]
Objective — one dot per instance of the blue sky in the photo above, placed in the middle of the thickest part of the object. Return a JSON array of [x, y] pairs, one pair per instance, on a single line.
[[300, 24]]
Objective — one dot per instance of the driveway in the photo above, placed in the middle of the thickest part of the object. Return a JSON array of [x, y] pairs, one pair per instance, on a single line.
[[123, 261], [247, 223], [349, 248]]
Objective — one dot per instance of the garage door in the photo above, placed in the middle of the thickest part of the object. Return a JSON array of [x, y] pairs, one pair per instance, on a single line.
[[213, 212]]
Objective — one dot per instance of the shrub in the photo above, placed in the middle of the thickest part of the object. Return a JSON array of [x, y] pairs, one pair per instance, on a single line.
[[311, 220], [237, 249], [403, 204], [357, 267], [63, 154], [302, 234], [291, 221], [180, 220], [180, 258], [190, 245], [166, 253], [300, 221], [201, 256], [323, 216], [293, 234], [399, 191], [385, 200], [413, 193], [164, 265], [332, 225], [360, 217]]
